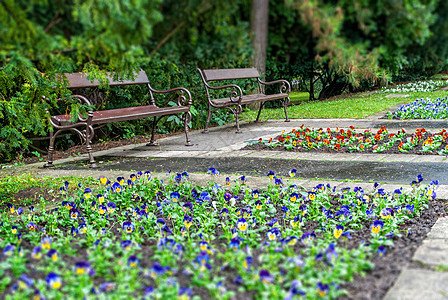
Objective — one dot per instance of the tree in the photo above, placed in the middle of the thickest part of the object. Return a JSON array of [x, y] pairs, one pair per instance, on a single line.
[[41, 38], [260, 13]]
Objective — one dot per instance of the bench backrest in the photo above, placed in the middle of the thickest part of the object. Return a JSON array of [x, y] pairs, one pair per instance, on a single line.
[[226, 74], [79, 80]]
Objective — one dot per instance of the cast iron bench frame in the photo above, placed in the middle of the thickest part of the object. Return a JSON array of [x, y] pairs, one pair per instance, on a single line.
[[79, 80], [237, 99]]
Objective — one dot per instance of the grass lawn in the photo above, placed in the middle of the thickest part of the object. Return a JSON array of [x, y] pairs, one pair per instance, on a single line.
[[359, 106]]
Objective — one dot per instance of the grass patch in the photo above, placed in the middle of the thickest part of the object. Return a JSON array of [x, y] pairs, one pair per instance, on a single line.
[[355, 107], [14, 184]]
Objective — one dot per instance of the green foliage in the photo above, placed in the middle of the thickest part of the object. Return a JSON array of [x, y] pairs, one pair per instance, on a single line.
[[41, 38]]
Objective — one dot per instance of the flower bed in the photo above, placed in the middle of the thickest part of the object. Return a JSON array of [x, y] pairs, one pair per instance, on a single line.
[[418, 86], [143, 237], [422, 109], [307, 139]]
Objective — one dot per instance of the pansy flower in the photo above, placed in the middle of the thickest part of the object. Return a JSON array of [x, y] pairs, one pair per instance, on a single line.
[[203, 245], [126, 244], [31, 226], [139, 174], [82, 267], [19, 211], [311, 196], [187, 207], [376, 226], [234, 244], [133, 177], [9, 250], [102, 209], [242, 224], [258, 204], [74, 231], [273, 222], [273, 233], [36, 253], [100, 198], [121, 180], [292, 172], [265, 276], [322, 289], [188, 221], [303, 209], [243, 179], [117, 187], [12, 208], [184, 293], [297, 221], [53, 255], [205, 196], [224, 212], [278, 181], [381, 251], [255, 194], [54, 281], [247, 263], [74, 214], [409, 208], [128, 227], [271, 174], [387, 213], [104, 180], [174, 196], [202, 258], [213, 172], [130, 183], [14, 229], [156, 270], [107, 287], [291, 241], [82, 228], [293, 197], [87, 193], [111, 207], [25, 282], [160, 222], [286, 211], [133, 261], [338, 231], [307, 237]]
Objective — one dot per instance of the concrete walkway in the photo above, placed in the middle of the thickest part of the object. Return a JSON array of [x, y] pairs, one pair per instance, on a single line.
[[221, 148]]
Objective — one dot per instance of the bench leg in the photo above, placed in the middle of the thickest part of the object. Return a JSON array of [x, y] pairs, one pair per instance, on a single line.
[[187, 119], [89, 136], [285, 105], [259, 111], [208, 119], [152, 142], [49, 164], [237, 112]]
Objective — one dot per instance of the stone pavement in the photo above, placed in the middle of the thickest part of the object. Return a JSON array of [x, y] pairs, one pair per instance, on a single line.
[[221, 148]]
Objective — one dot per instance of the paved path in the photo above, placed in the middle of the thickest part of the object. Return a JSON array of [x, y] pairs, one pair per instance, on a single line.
[[221, 148]]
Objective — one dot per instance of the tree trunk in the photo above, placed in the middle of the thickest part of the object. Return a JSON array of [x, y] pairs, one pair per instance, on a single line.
[[260, 14]]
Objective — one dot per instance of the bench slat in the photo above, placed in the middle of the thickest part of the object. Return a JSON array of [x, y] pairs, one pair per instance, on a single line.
[[226, 74], [246, 99], [125, 114], [79, 80]]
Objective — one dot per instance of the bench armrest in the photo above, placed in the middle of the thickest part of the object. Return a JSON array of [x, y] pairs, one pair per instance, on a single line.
[[82, 100], [284, 88], [182, 100]]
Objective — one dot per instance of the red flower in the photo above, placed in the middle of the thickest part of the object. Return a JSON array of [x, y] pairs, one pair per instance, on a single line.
[[281, 139], [337, 146]]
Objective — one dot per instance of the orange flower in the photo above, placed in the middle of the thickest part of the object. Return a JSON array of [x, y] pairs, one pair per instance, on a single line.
[[310, 144], [377, 137], [337, 146], [326, 142], [270, 140], [400, 145], [260, 140]]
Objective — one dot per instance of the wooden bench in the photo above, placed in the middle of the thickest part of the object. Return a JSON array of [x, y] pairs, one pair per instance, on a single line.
[[236, 98], [84, 126]]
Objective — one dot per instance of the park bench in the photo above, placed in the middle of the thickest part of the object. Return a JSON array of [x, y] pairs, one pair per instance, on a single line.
[[236, 98], [84, 125]]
